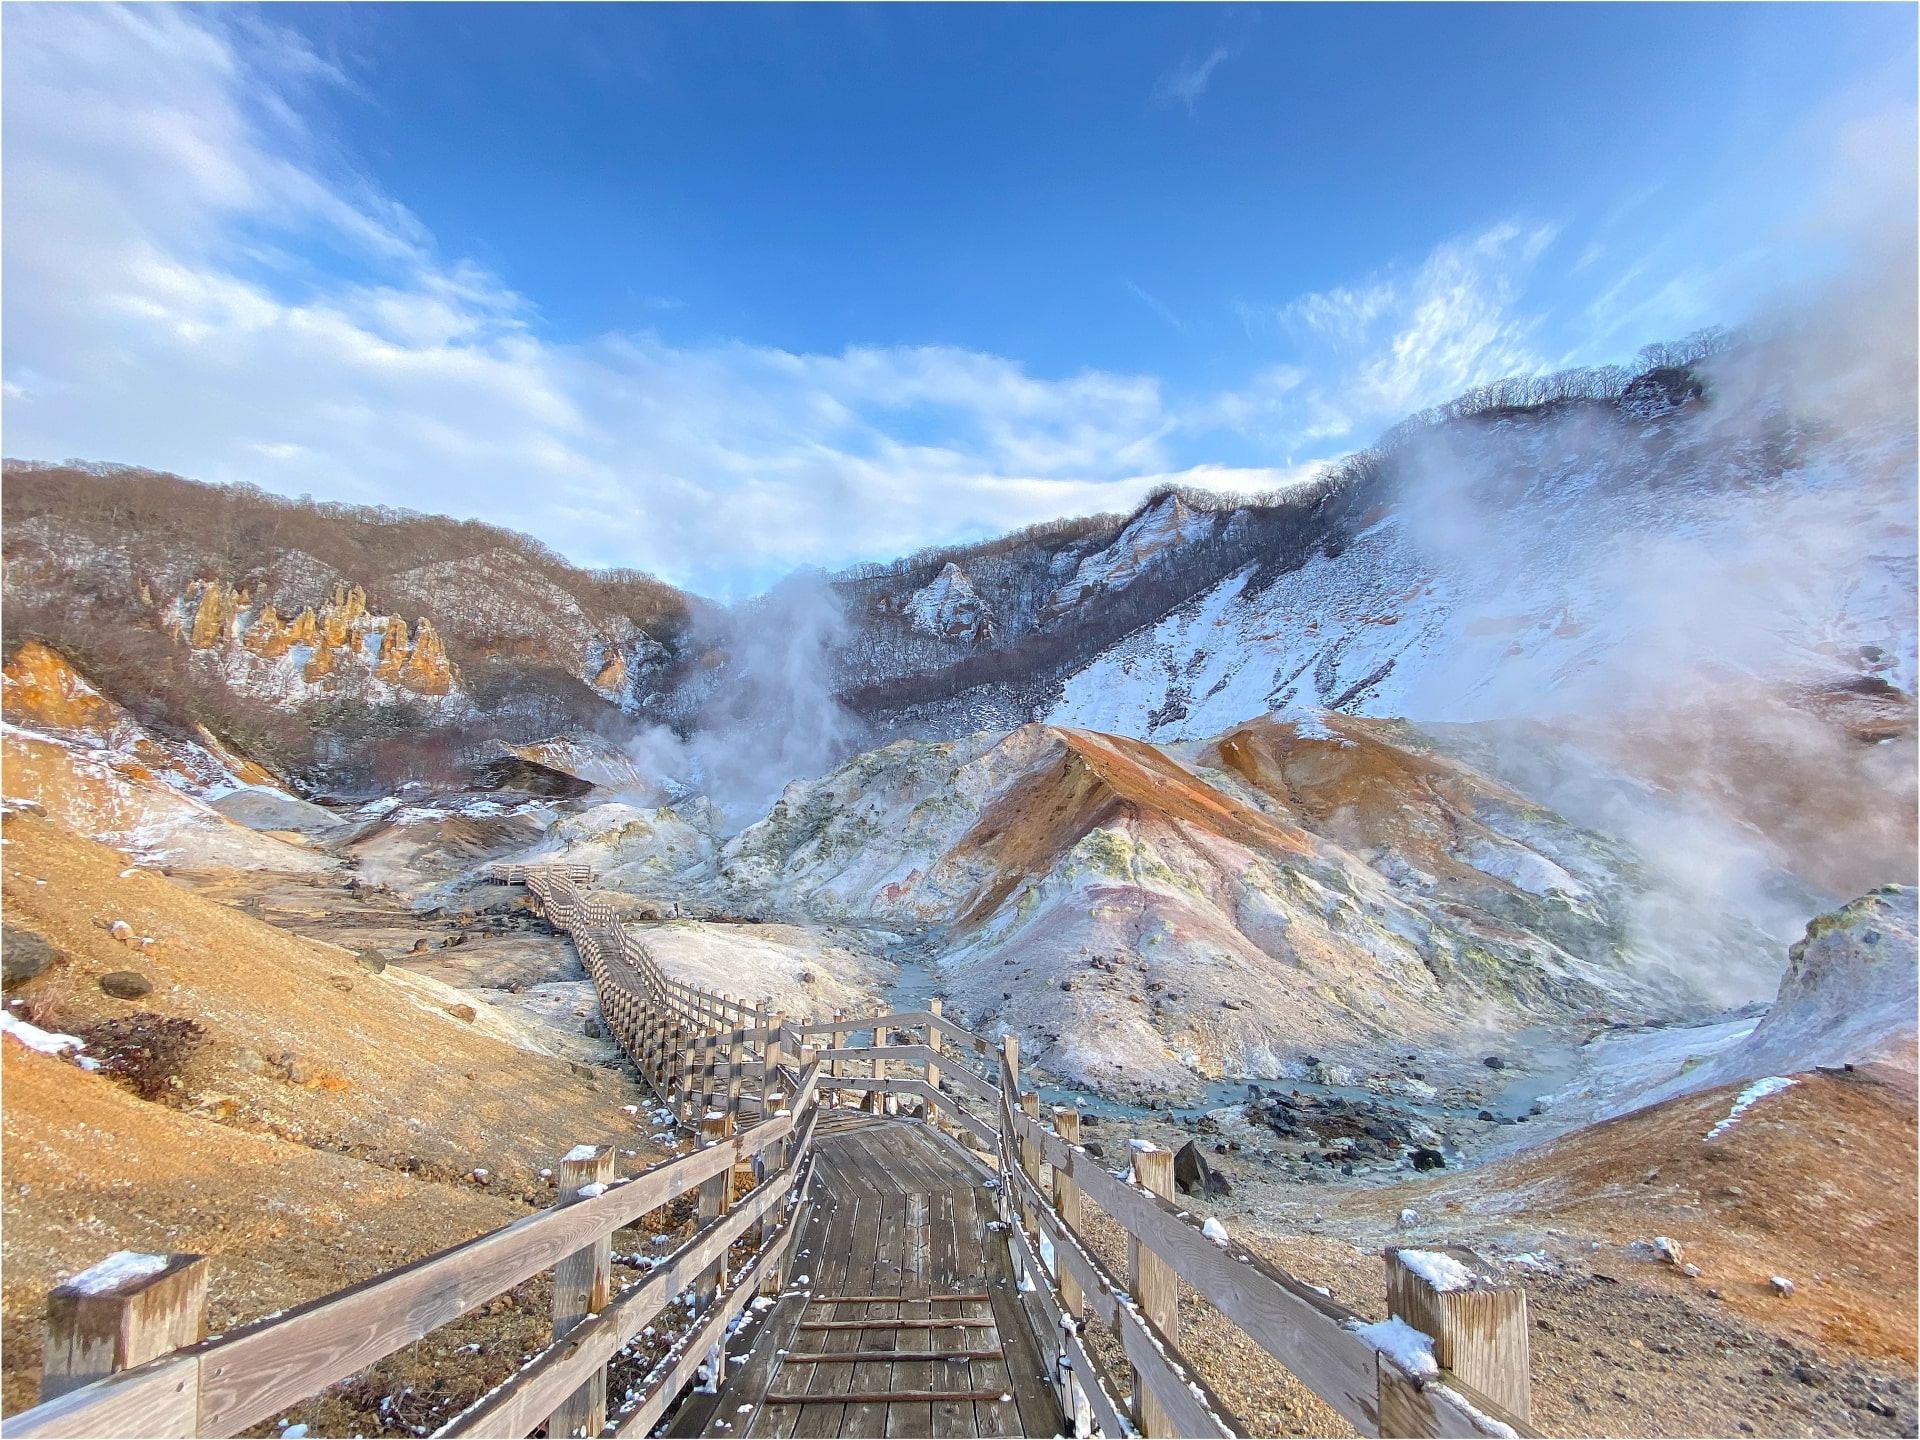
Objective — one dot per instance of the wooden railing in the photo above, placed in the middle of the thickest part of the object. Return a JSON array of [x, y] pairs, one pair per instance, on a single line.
[[1476, 1326], [718, 1061]]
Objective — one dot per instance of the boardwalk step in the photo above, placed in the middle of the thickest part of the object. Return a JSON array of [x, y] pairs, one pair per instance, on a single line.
[[955, 1323], [890, 1397], [855, 1357], [896, 1299]]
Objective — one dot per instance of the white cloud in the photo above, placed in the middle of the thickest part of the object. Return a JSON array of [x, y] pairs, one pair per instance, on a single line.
[[1396, 342], [1187, 81]]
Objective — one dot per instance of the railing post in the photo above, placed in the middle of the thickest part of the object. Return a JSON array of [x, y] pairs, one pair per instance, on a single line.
[[736, 1061], [933, 1069], [1155, 1287], [1031, 1163], [582, 1283], [123, 1312], [684, 1060], [833, 1069], [876, 1097], [716, 1198], [1066, 1204], [1478, 1325]]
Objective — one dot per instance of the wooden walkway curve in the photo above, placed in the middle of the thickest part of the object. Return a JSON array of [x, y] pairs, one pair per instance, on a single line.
[[918, 1266], [901, 1316]]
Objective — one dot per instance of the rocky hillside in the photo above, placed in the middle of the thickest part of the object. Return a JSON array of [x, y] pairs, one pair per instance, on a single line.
[[1704, 574], [1314, 901], [316, 636]]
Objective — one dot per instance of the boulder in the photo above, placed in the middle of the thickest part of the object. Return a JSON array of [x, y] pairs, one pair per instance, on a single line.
[[23, 955], [591, 1029], [1193, 1176], [463, 1012], [271, 810], [1426, 1158], [372, 960], [126, 984]]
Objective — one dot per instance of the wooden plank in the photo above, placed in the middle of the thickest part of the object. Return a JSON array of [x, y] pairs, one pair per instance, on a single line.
[[914, 1373], [160, 1398], [921, 1357], [870, 1150], [895, 1298], [918, 1324], [883, 1397], [848, 1256], [1302, 1329]]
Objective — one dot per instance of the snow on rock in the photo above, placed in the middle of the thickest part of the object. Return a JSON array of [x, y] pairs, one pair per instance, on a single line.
[[1153, 536], [585, 757], [948, 606], [1527, 557], [1850, 996], [99, 792], [40, 691]]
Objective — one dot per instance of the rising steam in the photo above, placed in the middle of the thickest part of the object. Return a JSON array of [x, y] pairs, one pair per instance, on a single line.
[[766, 713]]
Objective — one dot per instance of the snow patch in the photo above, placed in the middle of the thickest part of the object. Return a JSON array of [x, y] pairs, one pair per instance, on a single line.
[[123, 1267], [1410, 1349], [1750, 1097], [1441, 1271]]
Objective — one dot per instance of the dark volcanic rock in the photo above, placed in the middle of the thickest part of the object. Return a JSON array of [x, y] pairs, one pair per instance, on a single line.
[[23, 955], [1425, 1158], [1193, 1176], [126, 984]]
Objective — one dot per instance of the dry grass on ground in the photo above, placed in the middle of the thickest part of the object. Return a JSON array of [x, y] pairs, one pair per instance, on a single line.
[[327, 1128]]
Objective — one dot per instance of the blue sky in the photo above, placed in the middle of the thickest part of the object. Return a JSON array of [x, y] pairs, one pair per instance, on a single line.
[[722, 291]]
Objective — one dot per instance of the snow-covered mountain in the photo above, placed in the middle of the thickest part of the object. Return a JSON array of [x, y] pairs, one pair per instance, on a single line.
[[1534, 563]]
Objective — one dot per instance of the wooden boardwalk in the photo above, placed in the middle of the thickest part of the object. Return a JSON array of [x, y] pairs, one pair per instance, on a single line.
[[901, 1315]]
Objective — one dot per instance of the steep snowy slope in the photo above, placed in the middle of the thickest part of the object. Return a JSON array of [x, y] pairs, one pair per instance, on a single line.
[[1539, 565]]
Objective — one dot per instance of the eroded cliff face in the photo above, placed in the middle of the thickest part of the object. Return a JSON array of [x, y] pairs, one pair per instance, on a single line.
[[341, 647]]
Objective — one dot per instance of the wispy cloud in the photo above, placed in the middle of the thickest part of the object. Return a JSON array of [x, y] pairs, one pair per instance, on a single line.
[[1154, 303], [1397, 341], [1187, 81]]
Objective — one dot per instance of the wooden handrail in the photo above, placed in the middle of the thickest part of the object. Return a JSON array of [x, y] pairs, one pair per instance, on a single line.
[[260, 1369], [683, 1038]]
